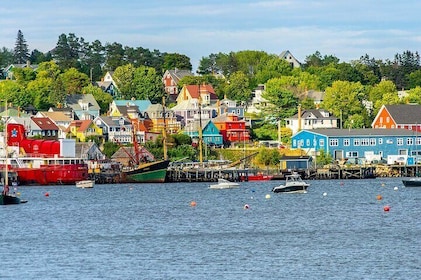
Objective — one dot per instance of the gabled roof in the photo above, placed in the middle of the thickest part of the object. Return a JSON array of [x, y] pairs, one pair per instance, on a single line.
[[227, 117], [124, 110], [194, 125], [141, 104], [45, 123], [314, 113], [114, 121], [195, 89], [177, 74], [405, 113], [72, 100], [56, 116]]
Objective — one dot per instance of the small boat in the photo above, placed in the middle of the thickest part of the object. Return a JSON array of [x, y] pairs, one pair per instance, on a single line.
[[412, 182], [293, 184], [85, 184], [224, 184]]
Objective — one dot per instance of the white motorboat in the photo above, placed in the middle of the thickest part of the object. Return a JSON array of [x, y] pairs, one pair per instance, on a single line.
[[224, 184], [85, 184], [293, 184]]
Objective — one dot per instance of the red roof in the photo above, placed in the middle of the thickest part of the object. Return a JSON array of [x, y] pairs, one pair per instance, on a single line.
[[45, 123], [194, 91]]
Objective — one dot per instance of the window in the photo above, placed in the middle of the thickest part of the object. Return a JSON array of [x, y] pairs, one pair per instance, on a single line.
[[356, 142], [308, 142], [333, 142], [387, 119], [409, 141], [418, 142], [321, 142], [346, 142], [365, 142], [373, 141], [399, 141], [351, 154]]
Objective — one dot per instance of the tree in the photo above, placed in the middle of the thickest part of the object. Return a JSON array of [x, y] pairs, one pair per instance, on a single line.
[[283, 102], [147, 84], [267, 156], [66, 52], [104, 99], [6, 57], [414, 96], [238, 87], [343, 99], [21, 52], [124, 76], [43, 92], [274, 67], [14, 93], [175, 60], [383, 93], [74, 81], [114, 56], [208, 65]]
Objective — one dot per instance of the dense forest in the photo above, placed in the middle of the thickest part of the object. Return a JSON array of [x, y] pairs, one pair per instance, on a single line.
[[355, 90]]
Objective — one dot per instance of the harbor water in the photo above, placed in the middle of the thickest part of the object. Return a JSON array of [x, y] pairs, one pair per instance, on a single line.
[[338, 230]]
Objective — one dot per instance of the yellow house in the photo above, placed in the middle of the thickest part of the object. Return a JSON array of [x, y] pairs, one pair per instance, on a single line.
[[81, 129]]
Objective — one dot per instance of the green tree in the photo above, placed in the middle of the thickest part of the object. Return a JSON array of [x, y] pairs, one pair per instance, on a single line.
[[383, 93], [66, 52], [268, 156], [74, 81], [124, 78], [23, 75], [176, 60], [114, 56], [343, 99], [21, 52], [104, 99], [148, 84], [43, 92], [283, 102], [414, 96], [274, 67], [238, 87], [6, 57], [13, 92]]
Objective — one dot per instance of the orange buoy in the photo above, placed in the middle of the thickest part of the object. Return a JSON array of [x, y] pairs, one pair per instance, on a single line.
[[193, 203], [379, 197], [386, 208]]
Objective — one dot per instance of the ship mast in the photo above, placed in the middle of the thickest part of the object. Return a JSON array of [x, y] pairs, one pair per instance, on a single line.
[[6, 168], [164, 130], [200, 129]]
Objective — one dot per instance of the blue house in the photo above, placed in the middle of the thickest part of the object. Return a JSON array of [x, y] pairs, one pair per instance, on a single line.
[[210, 133], [397, 146]]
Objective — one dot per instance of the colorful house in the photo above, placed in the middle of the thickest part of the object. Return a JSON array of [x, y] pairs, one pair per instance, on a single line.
[[232, 128], [210, 133], [171, 79], [189, 110], [84, 106], [311, 119], [115, 129], [107, 84], [82, 129], [132, 109], [405, 116], [361, 145], [204, 93], [162, 117]]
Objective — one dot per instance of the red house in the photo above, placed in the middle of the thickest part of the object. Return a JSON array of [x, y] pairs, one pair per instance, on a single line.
[[405, 116], [232, 128]]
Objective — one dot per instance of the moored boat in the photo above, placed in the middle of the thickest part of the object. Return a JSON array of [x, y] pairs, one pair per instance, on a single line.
[[412, 182], [224, 184], [150, 172], [41, 162], [85, 184], [293, 184]]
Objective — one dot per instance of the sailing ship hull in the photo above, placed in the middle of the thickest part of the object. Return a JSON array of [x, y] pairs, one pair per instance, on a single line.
[[154, 172]]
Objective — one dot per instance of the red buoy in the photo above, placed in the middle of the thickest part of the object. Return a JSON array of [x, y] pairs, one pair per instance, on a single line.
[[47, 194], [386, 208]]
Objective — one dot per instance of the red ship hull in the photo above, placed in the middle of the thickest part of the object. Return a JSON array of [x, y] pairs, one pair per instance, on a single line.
[[256, 178], [52, 174]]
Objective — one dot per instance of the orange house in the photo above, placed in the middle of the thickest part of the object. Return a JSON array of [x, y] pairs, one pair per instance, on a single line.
[[232, 128], [405, 116]]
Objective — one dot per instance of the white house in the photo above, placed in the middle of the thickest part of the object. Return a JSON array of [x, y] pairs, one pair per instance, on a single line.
[[311, 119]]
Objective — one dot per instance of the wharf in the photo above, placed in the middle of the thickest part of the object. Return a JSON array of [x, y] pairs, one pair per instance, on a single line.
[[325, 173]]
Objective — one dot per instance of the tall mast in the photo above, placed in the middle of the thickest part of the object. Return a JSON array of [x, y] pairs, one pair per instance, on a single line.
[[164, 130], [6, 168], [200, 129]]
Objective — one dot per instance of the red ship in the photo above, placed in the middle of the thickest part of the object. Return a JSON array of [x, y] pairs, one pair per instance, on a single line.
[[42, 162]]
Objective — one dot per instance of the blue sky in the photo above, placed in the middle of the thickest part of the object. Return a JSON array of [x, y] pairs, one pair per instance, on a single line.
[[346, 29]]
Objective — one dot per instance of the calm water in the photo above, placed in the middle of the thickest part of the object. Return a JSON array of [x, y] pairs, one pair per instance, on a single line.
[[152, 232]]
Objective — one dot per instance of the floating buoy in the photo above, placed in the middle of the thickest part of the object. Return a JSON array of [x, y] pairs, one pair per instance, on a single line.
[[47, 194], [382, 184], [267, 196], [193, 203], [395, 188], [342, 183], [379, 197], [325, 194], [386, 208], [246, 206]]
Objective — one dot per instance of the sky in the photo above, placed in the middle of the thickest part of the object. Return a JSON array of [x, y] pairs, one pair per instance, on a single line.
[[345, 29]]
